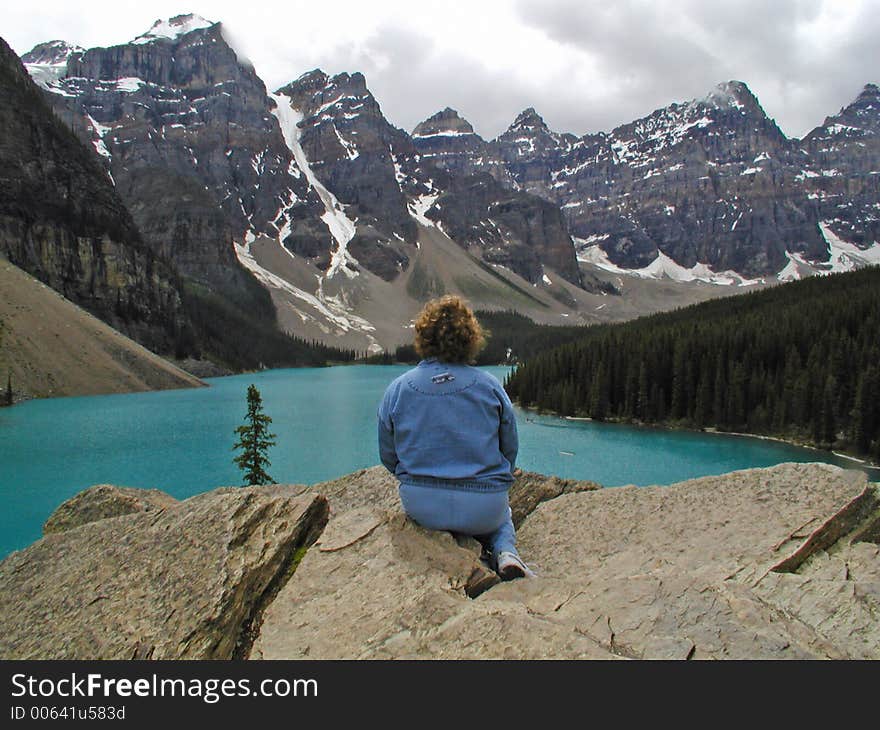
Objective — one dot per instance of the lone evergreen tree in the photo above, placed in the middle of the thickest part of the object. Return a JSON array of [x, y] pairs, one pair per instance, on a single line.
[[9, 389], [254, 441]]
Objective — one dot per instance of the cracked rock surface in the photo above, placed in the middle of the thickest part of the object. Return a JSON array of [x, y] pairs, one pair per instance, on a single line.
[[678, 572]]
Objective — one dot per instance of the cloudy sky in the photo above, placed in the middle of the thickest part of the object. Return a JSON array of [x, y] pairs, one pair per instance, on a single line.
[[585, 65]]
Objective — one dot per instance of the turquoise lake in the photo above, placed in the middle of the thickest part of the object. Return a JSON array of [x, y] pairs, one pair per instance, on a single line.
[[180, 441]]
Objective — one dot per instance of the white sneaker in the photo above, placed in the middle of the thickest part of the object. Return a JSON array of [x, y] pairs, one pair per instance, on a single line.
[[510, 566]]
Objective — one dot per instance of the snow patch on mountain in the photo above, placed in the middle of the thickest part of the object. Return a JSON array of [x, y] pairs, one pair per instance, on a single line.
[[665, 267], [443, 133], [842, 256], [100, 131], [796, 268], [421, 205], [341, 227], [46, 74], [399, 174], [846, 256], [129, 84], [283, 221], [350, 147], [662, 267], [638, 143], [173, 28]]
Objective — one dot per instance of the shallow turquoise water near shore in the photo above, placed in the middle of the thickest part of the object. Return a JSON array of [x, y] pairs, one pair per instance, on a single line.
[[180, 441]]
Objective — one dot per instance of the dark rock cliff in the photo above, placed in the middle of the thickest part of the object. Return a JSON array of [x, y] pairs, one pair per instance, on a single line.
[[529, 151], [449, 142], [379, 173], [513, 229], [703, 182], [62, 221], [842, 174], [187, 128], [188, 136]]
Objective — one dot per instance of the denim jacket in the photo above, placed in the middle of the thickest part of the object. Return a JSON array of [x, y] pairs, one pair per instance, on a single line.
[[448, 425]]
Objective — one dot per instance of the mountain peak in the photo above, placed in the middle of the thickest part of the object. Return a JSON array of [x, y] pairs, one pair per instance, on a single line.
[[871, 91], [51, 53], [310, 78], [352, 81], [866, 102], [47, 62], [317, 80], [173, 28], [310, 82], [731, 94], [446, 122], [528, 120], [860, 116]]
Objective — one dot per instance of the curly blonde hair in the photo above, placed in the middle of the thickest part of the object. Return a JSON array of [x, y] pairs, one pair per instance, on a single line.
[[447, 329]]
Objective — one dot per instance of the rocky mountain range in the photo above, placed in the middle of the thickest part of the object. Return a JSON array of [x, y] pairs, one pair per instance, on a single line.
[[347, 220], [708, 184], [136, 240], [183, 128]]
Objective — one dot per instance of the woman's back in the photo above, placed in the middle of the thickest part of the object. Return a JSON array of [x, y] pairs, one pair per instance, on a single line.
[[448, 432], [448, 421]]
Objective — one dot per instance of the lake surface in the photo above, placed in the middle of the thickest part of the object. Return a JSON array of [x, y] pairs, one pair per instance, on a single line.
[[180, 441]]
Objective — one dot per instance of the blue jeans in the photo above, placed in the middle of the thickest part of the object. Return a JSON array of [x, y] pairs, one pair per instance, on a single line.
[[483, 515]]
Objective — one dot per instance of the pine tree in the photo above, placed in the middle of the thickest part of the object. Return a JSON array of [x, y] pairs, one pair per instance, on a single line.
[[827, 419], [679, 406], [643, 407], [719, 403], [703, 404], [9, 389], [254, 441], [599, 394]]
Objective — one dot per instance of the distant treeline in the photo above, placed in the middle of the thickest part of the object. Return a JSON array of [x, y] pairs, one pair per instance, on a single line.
[[510, 337], [799, 361], [256, 342]]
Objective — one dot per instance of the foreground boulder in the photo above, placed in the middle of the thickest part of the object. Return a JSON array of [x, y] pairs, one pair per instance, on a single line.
[[377, 586], [388, 586], [189, 581], [746, 565], [762, 563], [102, 501]]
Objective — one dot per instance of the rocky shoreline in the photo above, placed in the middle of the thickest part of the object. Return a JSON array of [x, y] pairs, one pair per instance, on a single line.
[[769, 563], [864, 463]]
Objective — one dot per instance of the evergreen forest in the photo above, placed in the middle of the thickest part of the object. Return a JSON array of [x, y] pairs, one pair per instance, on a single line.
[[510, 337], [257, 343], [799, 361]]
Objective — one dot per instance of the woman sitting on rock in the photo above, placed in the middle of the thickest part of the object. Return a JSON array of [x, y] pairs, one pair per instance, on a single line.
[[447, 431]]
